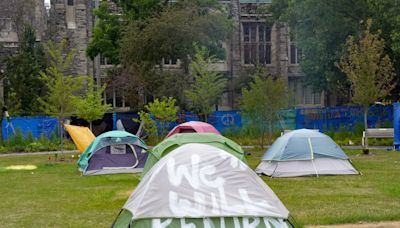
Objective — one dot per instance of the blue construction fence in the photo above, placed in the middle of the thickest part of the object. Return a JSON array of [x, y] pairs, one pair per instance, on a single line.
[[37, 126], [343, 118]]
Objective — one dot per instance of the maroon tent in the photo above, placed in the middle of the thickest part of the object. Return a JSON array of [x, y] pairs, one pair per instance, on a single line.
[[193, 127]]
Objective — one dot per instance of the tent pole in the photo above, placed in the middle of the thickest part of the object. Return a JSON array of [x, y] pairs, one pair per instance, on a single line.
[[275, 169], [316, 173], [312, 156]]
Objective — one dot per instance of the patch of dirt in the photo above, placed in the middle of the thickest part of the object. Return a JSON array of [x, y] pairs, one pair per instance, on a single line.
[[391, 224]]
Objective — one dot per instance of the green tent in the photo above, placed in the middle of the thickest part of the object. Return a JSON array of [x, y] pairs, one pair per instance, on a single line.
[[113, 152], [203, 186], [178, 140]]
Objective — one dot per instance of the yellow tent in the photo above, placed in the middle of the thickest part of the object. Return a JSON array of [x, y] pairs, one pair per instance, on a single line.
[[82, 136]]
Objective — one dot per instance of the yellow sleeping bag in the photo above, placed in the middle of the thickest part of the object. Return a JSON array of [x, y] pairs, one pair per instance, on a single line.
[[82, 136]]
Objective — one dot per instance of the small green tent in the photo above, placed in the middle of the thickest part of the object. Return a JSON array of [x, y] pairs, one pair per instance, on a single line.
[[178, 140]]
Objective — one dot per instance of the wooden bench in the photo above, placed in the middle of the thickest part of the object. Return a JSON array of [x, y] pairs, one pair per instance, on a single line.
[[377, 133]]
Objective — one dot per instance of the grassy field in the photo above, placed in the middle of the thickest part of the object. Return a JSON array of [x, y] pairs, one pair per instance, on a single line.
[[55, 195]]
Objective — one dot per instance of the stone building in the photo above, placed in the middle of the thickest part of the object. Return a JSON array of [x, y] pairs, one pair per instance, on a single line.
[[73, 20], [14, 14], [256, 41], [253, 42]]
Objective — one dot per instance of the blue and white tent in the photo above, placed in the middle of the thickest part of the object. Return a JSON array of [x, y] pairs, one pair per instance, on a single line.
[[305, 152]]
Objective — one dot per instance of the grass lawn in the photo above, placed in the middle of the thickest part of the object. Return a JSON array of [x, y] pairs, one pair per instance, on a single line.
[[55, 195]]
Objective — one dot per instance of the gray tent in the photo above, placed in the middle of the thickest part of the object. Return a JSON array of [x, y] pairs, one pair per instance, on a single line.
[[198, 185], [305, 152]]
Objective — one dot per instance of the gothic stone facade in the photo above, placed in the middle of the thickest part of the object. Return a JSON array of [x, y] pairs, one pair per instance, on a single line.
[[256, 41], [253, 42], [73, 20]]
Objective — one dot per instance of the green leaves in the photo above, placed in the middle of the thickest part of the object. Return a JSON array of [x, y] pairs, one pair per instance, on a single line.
[[368, 68], [208, 84], [163, 111], [22, 79], [106, 34], [90, 107], [61, 88], [171, 33], [261, 103]]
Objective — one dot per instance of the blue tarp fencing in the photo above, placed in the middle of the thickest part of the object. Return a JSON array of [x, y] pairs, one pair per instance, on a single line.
[[343, 118], [37, 126], [396, 125]]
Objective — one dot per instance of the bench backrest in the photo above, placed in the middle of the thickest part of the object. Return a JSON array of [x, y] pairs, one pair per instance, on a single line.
[[380, 132]]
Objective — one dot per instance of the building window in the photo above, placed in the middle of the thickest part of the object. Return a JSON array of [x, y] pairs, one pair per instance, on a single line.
[[167, 61], [70, 2], [257, 43], [302, 95], [5, 24], [103, 60], [295, 53]]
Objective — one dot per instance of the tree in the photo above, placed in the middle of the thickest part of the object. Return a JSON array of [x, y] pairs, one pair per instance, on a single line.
[[171, 33], [368, 69], [208, 84], [106, 34], [110, 24], [162, 111], [320, 29], [61, 87], [90, 107], [261, 103], [22, 78]]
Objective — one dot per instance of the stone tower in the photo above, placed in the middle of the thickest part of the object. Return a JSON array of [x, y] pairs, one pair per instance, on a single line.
[[73, 20]]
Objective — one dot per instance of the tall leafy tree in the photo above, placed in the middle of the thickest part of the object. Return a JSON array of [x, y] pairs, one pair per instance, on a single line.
[[261, 103], [208, 84], [111, 22], [369, 70], [91, 107], [61, 87], [321, 29], [106, 34], [171, 34], [22, 79]]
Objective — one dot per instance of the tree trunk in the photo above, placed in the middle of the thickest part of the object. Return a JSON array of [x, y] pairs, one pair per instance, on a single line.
[[270, 132], [205, 118], [262, 134], [91, 125], [60, 131], [366, 149], [1, 124]]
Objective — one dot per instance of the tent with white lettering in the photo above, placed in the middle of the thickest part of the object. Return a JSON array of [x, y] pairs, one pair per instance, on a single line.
[[305, 152], [202, 186], [178, 140]]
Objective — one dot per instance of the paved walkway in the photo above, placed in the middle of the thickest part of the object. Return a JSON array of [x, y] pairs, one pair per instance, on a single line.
[[244, 147], [38, 153]]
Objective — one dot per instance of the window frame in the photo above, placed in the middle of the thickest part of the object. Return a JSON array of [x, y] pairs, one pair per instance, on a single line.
[[251, 44]]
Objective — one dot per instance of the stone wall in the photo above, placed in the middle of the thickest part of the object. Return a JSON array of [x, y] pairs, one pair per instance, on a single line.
[[73, 22]]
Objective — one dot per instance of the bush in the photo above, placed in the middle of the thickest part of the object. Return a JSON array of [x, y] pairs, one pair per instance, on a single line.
[[20, 143]]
